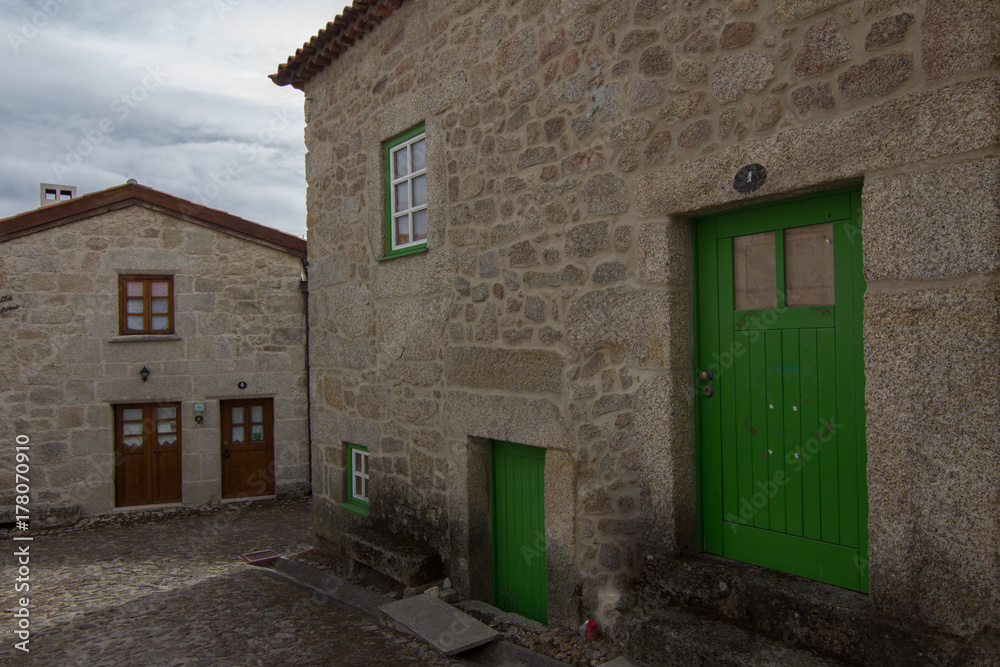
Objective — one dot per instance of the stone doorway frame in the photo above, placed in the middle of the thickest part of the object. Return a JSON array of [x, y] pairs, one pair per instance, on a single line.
[[471, 558]]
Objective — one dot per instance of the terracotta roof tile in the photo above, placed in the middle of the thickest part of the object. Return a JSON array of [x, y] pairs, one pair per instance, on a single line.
[[120, 196], [339, 35]]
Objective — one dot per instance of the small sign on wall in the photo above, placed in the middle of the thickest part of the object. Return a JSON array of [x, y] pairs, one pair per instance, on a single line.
[[7, 304], [749, 178]]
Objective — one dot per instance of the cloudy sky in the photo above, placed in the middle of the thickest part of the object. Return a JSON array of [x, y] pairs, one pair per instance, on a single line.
[[172, 93]]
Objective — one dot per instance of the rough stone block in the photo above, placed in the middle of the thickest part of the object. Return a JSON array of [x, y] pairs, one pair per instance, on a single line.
[[628, 321], [824, 47], [908, 130], [393, 555], [537, 371], [792, 10], [412, 330], [813, 98], [663, 409], [740, 74], [875, 77], [959, 36], [934, 223], [933, 462], [535, 422], [888, 31]]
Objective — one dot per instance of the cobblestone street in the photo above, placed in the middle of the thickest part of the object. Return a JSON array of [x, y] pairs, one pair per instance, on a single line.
[[173, 591]]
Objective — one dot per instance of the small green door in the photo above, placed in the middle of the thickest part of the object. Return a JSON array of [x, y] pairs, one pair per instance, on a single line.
[[519, 577], [780, 388]]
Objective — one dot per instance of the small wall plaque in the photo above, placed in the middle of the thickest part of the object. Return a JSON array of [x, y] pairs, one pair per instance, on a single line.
[[242, 385], [749, 178]]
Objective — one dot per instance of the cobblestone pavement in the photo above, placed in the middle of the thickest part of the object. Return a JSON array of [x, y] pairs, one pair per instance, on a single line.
[[171, 590]]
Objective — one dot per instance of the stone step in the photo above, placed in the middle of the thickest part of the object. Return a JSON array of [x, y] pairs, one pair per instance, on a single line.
[[676, 638], [809, 615], [393, 555], [441, 625]]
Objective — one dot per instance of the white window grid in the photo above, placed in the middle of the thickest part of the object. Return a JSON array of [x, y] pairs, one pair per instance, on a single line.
[[359, 475], [412, 212]]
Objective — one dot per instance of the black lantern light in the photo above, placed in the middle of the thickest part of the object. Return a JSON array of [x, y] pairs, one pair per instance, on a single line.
[[144, 373]]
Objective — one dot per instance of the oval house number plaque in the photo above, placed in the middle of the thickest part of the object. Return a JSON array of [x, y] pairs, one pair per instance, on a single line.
[[749, 178]]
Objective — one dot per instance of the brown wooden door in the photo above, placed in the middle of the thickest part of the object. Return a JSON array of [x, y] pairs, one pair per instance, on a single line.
[[247, 448], [147, 454]]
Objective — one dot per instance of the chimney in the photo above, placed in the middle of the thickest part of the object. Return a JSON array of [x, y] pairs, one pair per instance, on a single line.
[[53, 194]]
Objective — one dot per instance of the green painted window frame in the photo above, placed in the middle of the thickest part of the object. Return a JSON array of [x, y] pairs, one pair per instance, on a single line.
[[413, 247], [353, 502]]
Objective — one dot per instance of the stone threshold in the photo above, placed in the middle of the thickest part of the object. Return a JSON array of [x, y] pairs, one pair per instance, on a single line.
[[145, 508], [801, 613], [248, 499]]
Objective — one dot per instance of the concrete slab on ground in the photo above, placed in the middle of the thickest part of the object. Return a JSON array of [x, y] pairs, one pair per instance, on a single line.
[[441, 625], [623, 661], [339, 591]]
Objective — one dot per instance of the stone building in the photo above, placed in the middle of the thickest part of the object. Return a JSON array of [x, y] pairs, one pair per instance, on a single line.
[[152, 351], [605, 284]]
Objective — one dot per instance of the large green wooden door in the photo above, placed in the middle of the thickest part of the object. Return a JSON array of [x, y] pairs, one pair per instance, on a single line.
[[519, 576], [780, 388]]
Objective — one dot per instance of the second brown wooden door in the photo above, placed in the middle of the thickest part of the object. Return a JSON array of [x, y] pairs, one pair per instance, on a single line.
[[247, 448]]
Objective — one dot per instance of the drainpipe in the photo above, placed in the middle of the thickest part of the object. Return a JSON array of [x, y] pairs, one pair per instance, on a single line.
[[304, 288]]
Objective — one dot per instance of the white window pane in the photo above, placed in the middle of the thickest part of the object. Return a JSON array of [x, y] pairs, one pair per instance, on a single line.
[[166, 427], [359, 490], [133, 305], [160, 306], [134, 414], [257, 432], [402, 230], [402, 196], [166, 413], [237, 434], [419, 158], [364, 489], [159, 289], [256, 413], [364, 463], [132, 428], [133, 441], [400, 167], [166, 440], [420, 225], [134, 322], [160, 322], [237, 415], [133, 289], [420, 190]]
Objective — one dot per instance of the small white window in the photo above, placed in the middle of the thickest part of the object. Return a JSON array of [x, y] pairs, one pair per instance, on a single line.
[[359, 474]]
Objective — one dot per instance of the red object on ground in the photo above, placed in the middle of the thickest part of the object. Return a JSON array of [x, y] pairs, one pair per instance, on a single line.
[[260, 557], [591, 630]]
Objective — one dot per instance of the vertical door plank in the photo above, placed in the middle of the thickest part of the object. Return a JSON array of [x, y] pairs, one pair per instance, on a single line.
[[828, 457], [775, 454], [792, 461], [811, 515]]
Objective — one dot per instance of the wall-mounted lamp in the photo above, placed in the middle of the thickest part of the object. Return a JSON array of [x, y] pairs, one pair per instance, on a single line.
[[144, 373]]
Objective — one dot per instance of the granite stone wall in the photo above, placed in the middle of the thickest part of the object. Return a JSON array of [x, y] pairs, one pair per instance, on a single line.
[[239, 317], [570, 145]]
